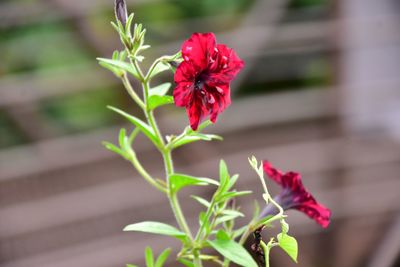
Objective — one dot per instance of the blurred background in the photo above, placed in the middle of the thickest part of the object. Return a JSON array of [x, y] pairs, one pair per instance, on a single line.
[[319, 95]]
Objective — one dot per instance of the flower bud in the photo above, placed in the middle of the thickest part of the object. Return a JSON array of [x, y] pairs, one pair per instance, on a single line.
[[121, 12]]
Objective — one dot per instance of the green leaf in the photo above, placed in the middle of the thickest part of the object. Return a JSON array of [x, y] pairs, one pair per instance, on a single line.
[[233, 212], [149, 257], [232, 250], [201, 127], [197, 137], [145, 128], [115, 149], [163, 257], [228, 195], [225, 218], [155, 228], [155, 101], [121, 65], [161, 89], [228, 215], [289, 245], [121, 137], [186, 262], [265, 220], [233, 181], [131, 265], [202, 201], [178, 181], [203, 220], [239, 232], [223, 175], [160, 67]]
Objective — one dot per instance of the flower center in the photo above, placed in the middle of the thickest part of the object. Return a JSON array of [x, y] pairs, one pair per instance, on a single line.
[[200, 81]]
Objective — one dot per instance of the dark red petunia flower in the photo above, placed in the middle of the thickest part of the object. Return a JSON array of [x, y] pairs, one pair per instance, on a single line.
[[295, 196], [202, 79]]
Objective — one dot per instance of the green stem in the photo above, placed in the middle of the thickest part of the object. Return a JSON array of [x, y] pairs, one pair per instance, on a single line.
[[196, 259], [167, 157], [132, 92], [135, 162], [266, 249]]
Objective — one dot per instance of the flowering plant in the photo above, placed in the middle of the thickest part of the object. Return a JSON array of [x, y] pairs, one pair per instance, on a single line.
[[202, 71]]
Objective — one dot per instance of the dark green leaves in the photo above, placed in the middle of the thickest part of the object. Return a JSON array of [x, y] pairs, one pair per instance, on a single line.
[[232, 250], [178, 181], [155, 228], [289, 245]]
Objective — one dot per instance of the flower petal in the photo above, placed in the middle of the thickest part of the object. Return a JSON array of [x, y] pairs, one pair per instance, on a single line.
[[185, 73], [275, 174], [226, 66], [198, 49], [183, 93], [295, 196], [221, 99], [196, 111], [316, 211]]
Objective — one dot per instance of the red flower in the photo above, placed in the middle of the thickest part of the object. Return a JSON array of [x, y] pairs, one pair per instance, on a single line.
[[295, 196], [202, 79]]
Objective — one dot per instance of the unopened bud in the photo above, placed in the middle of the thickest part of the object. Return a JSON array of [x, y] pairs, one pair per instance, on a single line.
[[121, 12]]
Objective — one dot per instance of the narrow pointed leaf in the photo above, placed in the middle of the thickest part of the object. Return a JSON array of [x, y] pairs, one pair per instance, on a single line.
[[193, 138], [125, 66], [186, 262], [202, 201], [178, 181], [223, 175], [149, 257], [115, 149], [145, 128], [232, 194], [232, 250], [162, 258], [155, 228]]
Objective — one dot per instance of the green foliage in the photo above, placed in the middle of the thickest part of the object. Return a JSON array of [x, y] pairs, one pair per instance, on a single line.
[[162, 258], [160, 67], [232, 250], [118, 67], [289, 245], [202, 201], [195, 137], [217, 221], [155, 101], [178, 181], [144, 127], [160, 90], [151, 261], [155, 228], [149, 257]]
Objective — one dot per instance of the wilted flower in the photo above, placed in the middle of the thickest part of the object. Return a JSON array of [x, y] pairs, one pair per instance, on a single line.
[[295, 196], [202, 79], [121, 12]]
